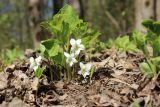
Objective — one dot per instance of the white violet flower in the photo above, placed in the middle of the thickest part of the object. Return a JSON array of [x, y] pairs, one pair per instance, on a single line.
[[70, 58], [35, 63], [76, 46], [85, 69]]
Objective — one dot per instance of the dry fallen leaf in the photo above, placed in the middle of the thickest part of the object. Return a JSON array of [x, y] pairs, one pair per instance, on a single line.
[[63, 97], [16, 102], [124, 91], [135, 86], [119, 72], [59, 85], [29, 97], [20, 80], [3, 80], [34, 83]]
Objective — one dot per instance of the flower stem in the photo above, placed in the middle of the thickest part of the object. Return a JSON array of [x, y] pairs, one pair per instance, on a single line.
[[69, 73], [50, 70]]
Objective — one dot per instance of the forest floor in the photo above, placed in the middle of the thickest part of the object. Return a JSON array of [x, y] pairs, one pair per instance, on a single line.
[[117, 82]]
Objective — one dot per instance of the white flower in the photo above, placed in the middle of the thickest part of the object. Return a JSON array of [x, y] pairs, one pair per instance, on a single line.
[[85, 69], [70, 58], [35, 63], [76, 46]]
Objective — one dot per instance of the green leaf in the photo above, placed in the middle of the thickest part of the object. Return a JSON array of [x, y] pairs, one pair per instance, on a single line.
[[136, 104], [110, 43], [66, 18], [139, 39], [124, 44], [100, 45], [65, 32], [48, 44], [9, 55], [156, 46], [146, 69], [68, 14], [121, 42], [50, 47], [93, 69], [132, 47], [42, 48], [54, 50], [156, 60], [152, 26], [81, 30], [59, 58], [90, 41], [39, 72]]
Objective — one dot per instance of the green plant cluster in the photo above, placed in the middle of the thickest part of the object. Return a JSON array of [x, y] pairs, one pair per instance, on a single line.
[[123, 44], [9, 55], [151, 65], [64, 26], [148, 43]]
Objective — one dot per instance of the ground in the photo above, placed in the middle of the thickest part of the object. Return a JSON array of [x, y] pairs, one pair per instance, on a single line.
[[117, 82]]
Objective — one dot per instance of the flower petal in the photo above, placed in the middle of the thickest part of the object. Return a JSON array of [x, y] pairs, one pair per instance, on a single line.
[[88, 66], [77, 52], [35, 68], [78, 42], [66, 54], [81, 65], [80, 72], [73, 48], [72, 55], [74, 60], [38, 60], [85, 74], [31, 66], [72, 41], [71, 63], [68, 60], [31, 60], [82, 47]]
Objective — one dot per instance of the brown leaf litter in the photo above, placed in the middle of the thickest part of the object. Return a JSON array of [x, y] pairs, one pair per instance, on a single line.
[[117, 82]]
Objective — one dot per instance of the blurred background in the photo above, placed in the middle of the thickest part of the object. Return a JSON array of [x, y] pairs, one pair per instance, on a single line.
[[20, 19]]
